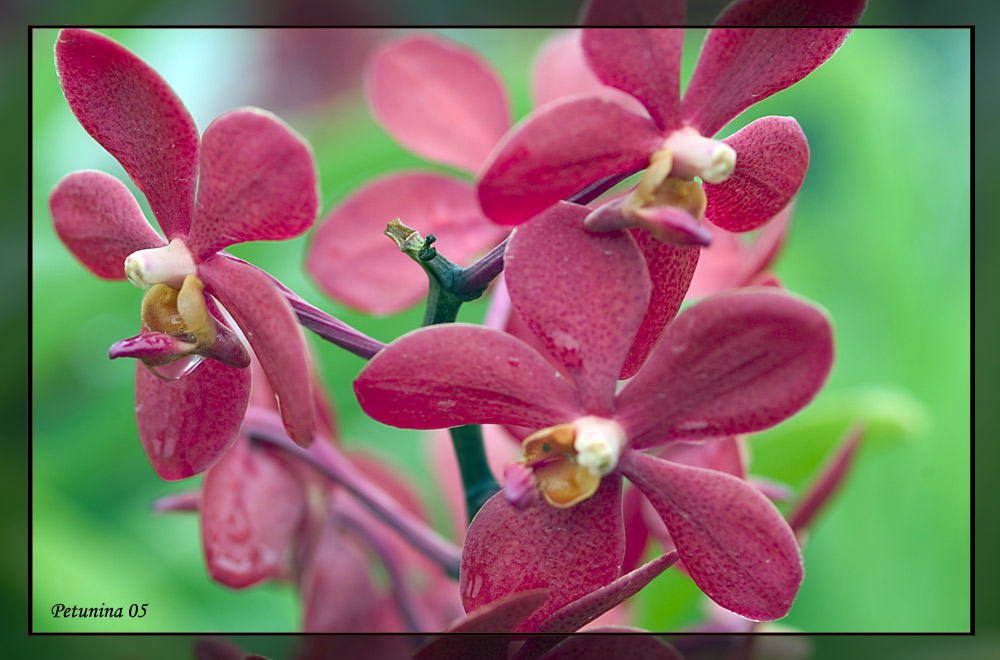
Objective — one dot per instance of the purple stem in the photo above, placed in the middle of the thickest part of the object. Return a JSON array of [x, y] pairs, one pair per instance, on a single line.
[[326, 459]]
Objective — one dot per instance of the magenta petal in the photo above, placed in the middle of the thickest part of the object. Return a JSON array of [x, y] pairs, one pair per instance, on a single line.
[[559, 150], [128, 108], [271, 327], [582, 293], [646, 63], [186, 425], [570, 551], [830, 478], [257, 183], [671, 268], [772, 157], [98, 220], [629, 646], [735, 363], [635, 13], [740, 67], [355, 263], [732, 540], [337, 568], [414, 91], [250, 507], [727, 455], [455, 374]]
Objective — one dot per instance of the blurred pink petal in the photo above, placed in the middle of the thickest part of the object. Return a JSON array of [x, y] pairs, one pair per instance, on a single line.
[[187, 501], [611, 646], [570, 551], [275, 335], [251, 506], [553, 261], [257, 182], [414, 92], [740, 67], [831, 477], [128, 108], [634, 13], [645, 63], [727, 454], [98, 220], [772, 157], [337, 568], [186, 425], [355, 263], [455, 374], [558, 151], [670, 270], [734, 363], [734, 543]]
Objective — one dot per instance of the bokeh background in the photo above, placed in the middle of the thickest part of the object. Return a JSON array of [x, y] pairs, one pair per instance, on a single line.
[[881, 238]]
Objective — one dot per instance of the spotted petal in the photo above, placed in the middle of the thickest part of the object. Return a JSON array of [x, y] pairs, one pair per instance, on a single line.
[[129, 109], [734, 543], [735, 363], [99, 221]]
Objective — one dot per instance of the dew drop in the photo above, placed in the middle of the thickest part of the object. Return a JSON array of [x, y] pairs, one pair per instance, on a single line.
[[513, 361], [178, 368]]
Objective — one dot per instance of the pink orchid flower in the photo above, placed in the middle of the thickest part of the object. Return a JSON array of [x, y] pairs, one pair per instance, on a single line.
[[734, 363], [248, 178]]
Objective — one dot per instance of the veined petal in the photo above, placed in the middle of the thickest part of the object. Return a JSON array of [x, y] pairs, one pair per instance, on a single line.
[[413, 93], [645, 63], [258, 183], [733, 542], [250, 507], [98, 220], [186, 425], [559, 150], [671, 268], [355, 263], [772, 157], [129, 109], [583, 294], [737, 362], [634, 12], [570, 551], [272, 329], [740, 67], [455, 374]]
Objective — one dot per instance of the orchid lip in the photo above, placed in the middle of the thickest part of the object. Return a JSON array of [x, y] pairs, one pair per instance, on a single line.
[[598, 444], [168, 265]]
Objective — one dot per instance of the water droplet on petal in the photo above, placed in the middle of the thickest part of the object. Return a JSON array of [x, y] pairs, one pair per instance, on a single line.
[[178, 368]]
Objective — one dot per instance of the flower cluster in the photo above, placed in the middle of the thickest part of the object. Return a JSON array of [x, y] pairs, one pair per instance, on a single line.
[[620, 418]]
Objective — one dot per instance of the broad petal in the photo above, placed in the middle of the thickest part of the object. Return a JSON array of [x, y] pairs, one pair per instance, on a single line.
[[727, 455], [732, 540], [455, 374], [98, 220], [129, 109], [628, 646], [270, 325], [413, 93], [634, 13], [559, 150], [645, 63], [250, 508], [671, 268], [570, 551], [740, 67], [186, 425], [258, 183], [355, 263], [583, 294], [735, 363], [772, 157]]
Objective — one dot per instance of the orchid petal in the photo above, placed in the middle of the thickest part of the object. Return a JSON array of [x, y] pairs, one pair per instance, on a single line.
[[129, 109], [258, 183], [739, 67], [635, 13], [732, 540], [737, 362], [561, 278], [250, 507], [727, 454], [628, 646], [98, 220], [353, 261], [455, 374], [413, 93], [671, 268], [645, 63], [570, 551], [829, 479], [186, 425], [772, 157], [636, 531], [559, 150], [337, 566], [272, 329]]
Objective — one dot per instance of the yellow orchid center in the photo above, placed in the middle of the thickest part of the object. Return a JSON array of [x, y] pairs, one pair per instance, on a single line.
[[181, 313], [658, 188]]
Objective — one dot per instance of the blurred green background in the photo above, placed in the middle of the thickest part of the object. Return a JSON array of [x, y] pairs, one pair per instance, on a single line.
[[881, 239]]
